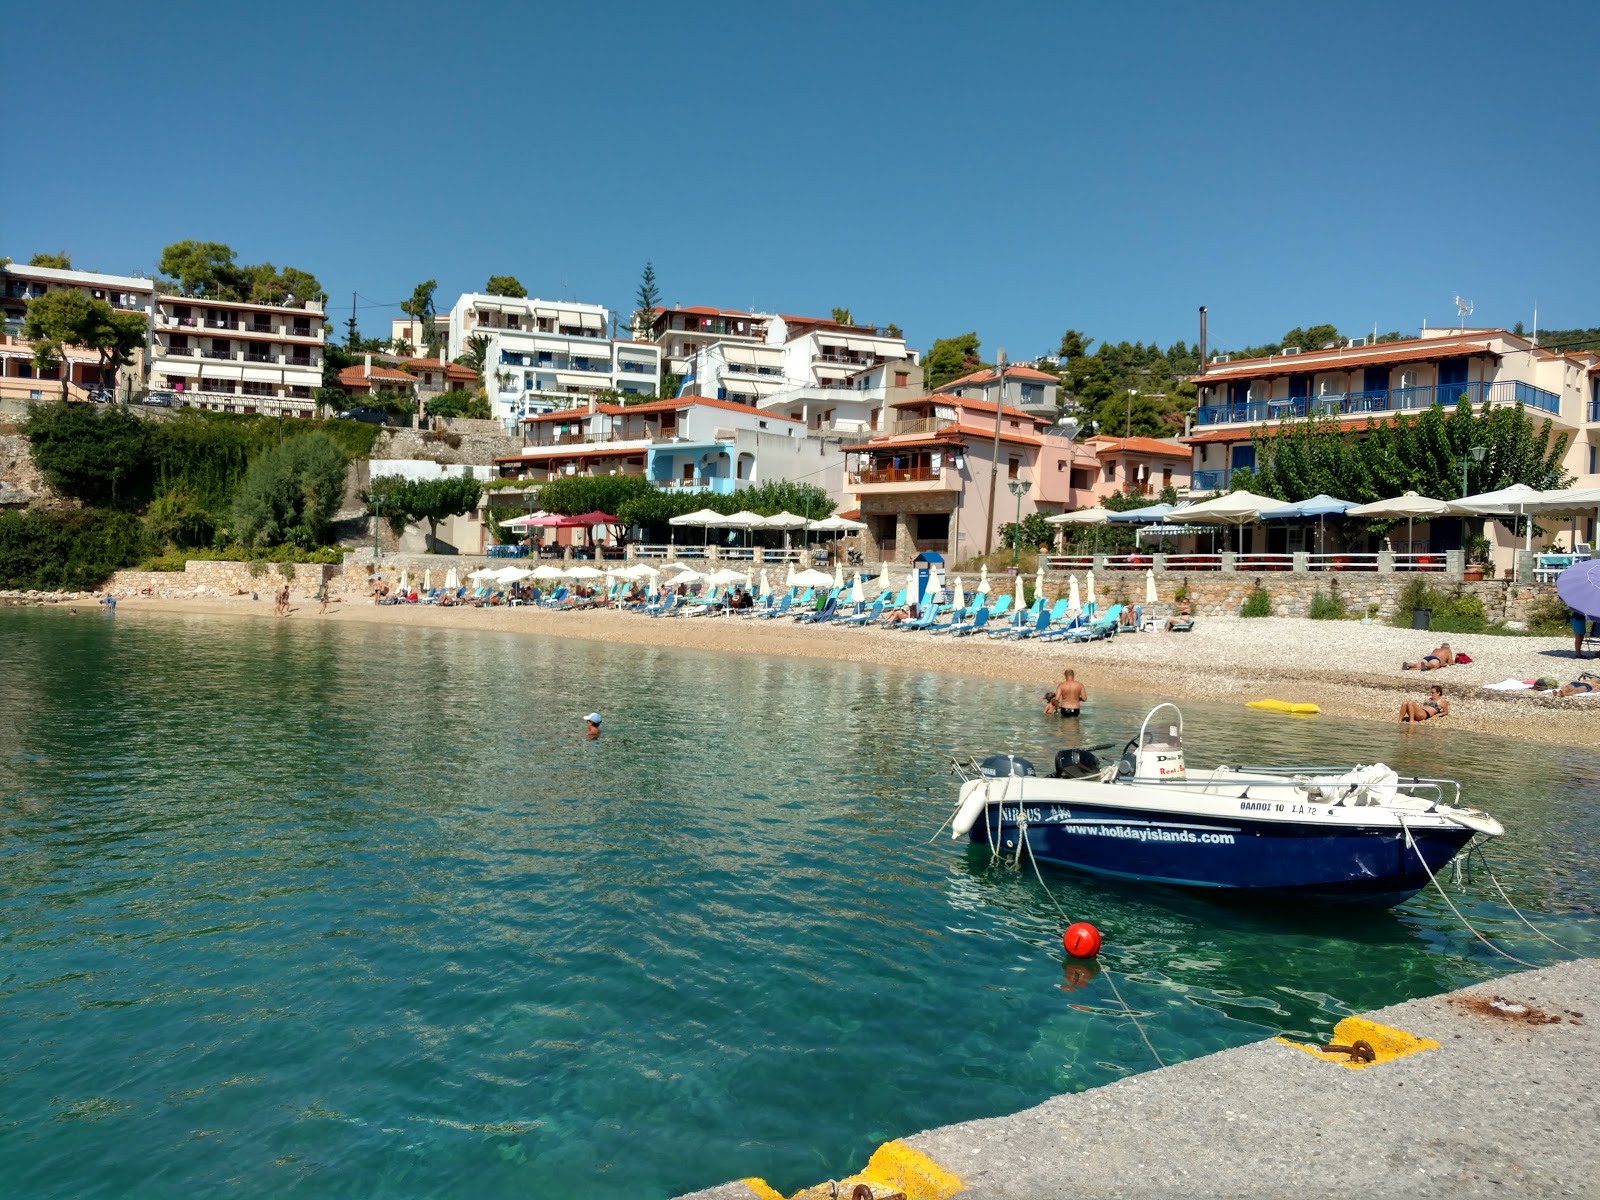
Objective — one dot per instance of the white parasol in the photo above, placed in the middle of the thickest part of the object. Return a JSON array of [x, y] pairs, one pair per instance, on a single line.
[[838, 577], [1038, 581], [1017, 594], [451, 580], [727, 575], [788, 578], [983, 580], [856, 594], [1408, 505], [1149, 585], [427, 580], [546, 571], [766, 584], [958, 602], [837, 525], [1089, 589], [582, 573], [811, 578], [1074, 602], [403, 576]]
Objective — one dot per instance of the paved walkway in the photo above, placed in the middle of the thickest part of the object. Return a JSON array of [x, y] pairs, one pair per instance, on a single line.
[[1507, 1104]]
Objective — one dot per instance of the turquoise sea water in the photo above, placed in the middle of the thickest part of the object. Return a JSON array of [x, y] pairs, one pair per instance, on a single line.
[[316, 910]]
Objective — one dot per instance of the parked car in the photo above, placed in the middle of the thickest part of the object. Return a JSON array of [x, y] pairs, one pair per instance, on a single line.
[[371, 414], [161, 399]]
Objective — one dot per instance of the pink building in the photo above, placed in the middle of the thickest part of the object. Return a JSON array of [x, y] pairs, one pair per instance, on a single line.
[[926, 483]]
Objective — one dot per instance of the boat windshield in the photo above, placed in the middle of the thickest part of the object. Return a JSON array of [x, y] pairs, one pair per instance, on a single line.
[[1162, 730]]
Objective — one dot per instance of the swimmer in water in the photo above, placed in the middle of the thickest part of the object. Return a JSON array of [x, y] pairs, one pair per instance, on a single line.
[[591, 727]]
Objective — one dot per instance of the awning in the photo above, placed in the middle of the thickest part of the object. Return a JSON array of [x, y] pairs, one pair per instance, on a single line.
[[580, 381], [267, 375], [593, 354], [546, 314], [569, 316], [829, 371], [745, 356], [753, 385], [549, 345], [591, 320]]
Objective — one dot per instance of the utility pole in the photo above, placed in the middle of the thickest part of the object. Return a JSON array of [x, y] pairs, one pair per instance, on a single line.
[[353, 313], [994, 467]]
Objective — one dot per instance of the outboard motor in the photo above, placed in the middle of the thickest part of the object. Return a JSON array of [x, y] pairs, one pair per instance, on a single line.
[[1074, 763], [997, 766]]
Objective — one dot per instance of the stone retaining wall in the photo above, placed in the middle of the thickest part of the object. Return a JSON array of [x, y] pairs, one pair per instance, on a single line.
[[474, 442], [229, 579]]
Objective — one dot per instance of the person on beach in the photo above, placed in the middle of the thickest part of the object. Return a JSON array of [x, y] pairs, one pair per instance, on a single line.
[[1586, 684], [591, 727], [1067, 700], [1183, 616], [1413, 711], [1443, 656], [1582, 627]]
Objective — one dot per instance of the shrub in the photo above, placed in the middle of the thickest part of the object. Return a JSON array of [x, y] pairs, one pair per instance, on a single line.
[[179, 519], [1460, 612], [290, 493], [101, 456], [286, 569], [67, 550], [1258, 603], [1549, 616], [1326, 606], [459, 403], [257, 570]]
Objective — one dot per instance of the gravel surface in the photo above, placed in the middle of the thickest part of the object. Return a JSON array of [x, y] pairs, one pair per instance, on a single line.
[[1348, 668]]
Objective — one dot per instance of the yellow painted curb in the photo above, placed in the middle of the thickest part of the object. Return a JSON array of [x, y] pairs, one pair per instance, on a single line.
[[1387, 1043], [762, 1189], [893, 1167]]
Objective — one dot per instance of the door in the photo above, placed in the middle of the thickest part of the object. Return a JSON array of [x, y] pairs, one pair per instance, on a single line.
[[1375, 383], [1452, 382], [1299, 394]]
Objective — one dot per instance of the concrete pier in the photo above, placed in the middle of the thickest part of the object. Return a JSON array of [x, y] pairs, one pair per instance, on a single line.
[[1502, 1099]]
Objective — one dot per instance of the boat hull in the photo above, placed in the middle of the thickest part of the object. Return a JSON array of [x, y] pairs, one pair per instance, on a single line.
[[1372, 865]]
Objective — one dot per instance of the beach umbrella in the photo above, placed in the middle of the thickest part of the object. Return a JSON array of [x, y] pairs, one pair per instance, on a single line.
[[983, 580], [686, 575], [1570, 502], [704, 518], [1149, 585], [958, 602], [1074, 602], [452, 580], [885, 582], [1518, 500], [546, 571], [726, 576], [582, 573], [403, 587], [1038, 581], [1579, 588], [1148, 515], [788, 579], [1017, 594], [1408, 505], [427, 580], [1321, 506], [1089, 591], [935, 582], [836, 525], [512, 574], [811, 577], [1237, 509], [857, 596], [482, 573], [838, 576], [766, 584], [783, 520], [1095, 517]]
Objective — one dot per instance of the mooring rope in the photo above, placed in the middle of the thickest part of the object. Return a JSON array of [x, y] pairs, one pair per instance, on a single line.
[[1470, 928], [1022, 835], [1483, 858]]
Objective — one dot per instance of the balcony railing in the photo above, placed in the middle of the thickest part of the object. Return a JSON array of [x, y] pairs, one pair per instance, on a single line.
[[258, 356], [224, 355], [1594, 409], [299, 360], [1504, 392], [221, 323], [1209, 481], [896, 475], [697, 483]]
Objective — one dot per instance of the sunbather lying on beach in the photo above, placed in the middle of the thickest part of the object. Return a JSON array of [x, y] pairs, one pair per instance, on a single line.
[[1425, 710], [1586, 684], [1443, 656]]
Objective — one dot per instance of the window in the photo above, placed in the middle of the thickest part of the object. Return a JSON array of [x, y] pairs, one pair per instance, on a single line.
[[933, 527], [1111, 472], [1166, 476], [251, 388], [902, 379], [1030, 393], [1082, 477], [1594, 460], [1012, 467]]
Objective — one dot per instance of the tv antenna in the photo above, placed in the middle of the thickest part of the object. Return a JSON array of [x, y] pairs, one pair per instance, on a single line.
[[1463, 310]]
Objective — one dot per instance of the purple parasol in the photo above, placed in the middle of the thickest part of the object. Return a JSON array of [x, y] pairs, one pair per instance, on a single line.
[[1579, 587]]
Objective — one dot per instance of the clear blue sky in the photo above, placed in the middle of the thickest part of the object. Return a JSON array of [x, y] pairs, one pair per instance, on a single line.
[[1014, 168]]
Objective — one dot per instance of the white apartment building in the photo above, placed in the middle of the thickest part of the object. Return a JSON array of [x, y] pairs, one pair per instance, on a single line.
[[19, 378], [543, 355], [680, 332], [833, 378], [238, 356]]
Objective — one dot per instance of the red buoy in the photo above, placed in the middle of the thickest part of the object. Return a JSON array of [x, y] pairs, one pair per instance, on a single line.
[[1081, 940]]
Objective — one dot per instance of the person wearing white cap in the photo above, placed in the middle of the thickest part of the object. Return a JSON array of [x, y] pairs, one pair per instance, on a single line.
[[591, 726]]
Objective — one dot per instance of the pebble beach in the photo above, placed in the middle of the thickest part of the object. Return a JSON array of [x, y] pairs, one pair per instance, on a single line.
[[1348, 668]]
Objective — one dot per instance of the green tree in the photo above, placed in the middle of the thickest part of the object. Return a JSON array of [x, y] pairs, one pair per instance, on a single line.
[[1074, 344], [179, 518], [99, 456], [474, 353], [75, 549], [290, 493], [646, 299], [950, 358], [893, 330], [1034, 531], [841, 316], [505, 285], [201, 268], [459, 403], [60, 262], [435, 500], [67, 317], [420, 309], [1314, 338]]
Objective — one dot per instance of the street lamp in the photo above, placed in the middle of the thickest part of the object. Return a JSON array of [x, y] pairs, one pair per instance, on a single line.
[[1019, 489], [1474, 455]]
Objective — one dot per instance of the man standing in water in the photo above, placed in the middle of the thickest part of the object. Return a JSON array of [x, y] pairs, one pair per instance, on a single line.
[[591, 727], [1067, 700]]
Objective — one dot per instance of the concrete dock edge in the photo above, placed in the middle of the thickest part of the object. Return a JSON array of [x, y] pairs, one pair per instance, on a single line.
[[1509, 1103]]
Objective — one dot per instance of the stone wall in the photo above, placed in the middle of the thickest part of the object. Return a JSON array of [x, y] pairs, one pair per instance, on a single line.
[[230, 579], [462, 441], [20, 480]]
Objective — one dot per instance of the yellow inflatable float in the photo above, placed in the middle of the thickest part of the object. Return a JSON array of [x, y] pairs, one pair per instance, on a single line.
[[1284, 706]]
